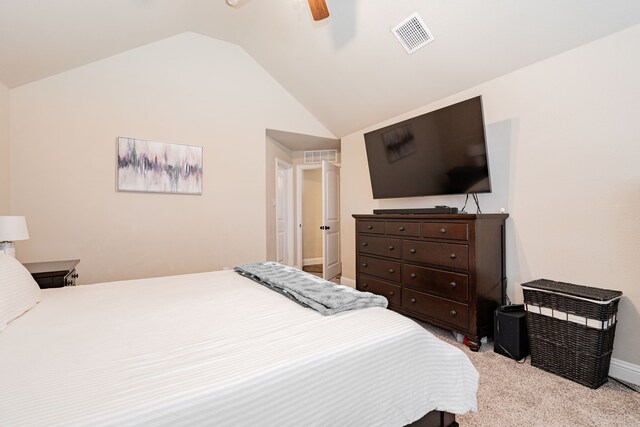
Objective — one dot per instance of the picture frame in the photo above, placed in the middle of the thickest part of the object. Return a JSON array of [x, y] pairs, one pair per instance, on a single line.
[[158, 167]]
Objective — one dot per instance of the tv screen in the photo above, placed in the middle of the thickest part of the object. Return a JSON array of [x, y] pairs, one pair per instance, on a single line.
[[438, 153]]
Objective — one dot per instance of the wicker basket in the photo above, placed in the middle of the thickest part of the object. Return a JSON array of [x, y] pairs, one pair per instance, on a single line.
[[571, 329]]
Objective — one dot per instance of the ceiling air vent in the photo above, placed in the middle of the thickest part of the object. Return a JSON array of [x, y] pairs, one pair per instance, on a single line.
[[319, 155], [413, 33]]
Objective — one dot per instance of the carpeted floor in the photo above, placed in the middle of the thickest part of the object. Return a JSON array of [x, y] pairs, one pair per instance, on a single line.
[[512, 394]]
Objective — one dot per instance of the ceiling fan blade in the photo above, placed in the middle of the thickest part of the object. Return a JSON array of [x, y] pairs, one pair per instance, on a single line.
[[319, 9]]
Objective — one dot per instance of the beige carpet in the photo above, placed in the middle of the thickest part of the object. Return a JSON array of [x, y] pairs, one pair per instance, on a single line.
[[512, 394]]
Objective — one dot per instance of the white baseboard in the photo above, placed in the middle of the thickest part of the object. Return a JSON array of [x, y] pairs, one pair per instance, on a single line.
[[312, 261], [625, 371], [347, 282]]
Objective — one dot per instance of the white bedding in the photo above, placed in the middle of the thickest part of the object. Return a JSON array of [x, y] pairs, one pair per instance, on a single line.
[[218, 349]]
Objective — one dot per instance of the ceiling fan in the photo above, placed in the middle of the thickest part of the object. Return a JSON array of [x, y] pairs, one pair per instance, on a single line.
[[319, 9]]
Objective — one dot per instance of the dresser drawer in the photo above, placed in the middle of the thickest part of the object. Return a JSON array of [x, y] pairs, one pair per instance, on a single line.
[[449, 255], [385, 269], [375, 227], [445, 230], [398, 228], [393, 293], [446, 284], [383, 246], [444, 310]]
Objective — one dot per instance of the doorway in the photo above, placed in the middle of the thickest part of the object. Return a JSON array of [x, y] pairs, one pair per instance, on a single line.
[[310, 222], [318, 219]]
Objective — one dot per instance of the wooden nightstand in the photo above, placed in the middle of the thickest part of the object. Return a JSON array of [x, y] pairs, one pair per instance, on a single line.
[[54, 274]]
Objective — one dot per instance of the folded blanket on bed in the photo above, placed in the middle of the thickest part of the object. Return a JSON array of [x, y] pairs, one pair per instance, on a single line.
[[308, 290]]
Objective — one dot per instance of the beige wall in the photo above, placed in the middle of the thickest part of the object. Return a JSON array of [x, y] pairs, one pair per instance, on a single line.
[[4, 151], [563, 152], [187, 89], [311, 214]]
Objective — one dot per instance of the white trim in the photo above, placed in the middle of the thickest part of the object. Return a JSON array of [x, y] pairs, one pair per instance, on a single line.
[[625, 371], [311, 261], [298, 227], [347, 282], [561, 315]]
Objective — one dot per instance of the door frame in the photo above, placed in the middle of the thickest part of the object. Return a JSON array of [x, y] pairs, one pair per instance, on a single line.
[[287, 199], [299, 171]]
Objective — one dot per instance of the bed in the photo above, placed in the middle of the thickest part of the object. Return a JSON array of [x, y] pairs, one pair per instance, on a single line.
[[219, 349]]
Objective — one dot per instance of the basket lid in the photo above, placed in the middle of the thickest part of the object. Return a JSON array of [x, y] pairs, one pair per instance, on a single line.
[[586, 292]]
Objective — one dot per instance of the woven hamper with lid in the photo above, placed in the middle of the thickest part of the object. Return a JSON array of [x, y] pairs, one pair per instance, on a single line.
[[571, 329]]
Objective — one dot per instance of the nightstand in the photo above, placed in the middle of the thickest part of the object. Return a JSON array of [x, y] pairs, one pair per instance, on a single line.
[[54, 274]]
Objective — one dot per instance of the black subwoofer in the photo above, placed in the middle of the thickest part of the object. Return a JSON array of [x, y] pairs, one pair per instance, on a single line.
[[510, 332]]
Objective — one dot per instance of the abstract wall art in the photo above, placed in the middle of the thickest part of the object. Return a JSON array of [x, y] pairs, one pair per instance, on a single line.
[[159, 167]]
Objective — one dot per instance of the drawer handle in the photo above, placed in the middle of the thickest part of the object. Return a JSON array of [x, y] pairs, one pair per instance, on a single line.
[[413, 251], [452, 256], [453, 285], [391, 247], [443, 230], [412, 300], [365, 244], [365, 264], [412, 275], [401, 228], [370, 227], [392, 293], [391, 270], [453, 313], [365, 285], [75, 275]]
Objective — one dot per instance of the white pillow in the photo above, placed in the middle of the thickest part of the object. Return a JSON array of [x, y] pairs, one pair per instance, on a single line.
[[18, 291]]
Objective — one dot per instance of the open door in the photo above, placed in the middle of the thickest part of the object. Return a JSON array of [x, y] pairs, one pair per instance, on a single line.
[[284, 212], [331, 265]]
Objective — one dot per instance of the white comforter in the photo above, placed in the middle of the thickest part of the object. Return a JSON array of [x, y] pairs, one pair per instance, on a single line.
[[218, 349]]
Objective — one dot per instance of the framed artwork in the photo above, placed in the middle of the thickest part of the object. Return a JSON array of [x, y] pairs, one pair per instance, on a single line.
[[158, 167]]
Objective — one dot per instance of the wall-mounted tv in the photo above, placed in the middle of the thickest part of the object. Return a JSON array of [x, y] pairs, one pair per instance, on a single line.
[[438, 153]]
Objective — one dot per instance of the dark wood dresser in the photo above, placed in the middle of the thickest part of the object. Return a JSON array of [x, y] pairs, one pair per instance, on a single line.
[[54, 274], [448, 270]]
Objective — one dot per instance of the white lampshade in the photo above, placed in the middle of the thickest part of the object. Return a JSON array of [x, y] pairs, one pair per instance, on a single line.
[[13, 228]]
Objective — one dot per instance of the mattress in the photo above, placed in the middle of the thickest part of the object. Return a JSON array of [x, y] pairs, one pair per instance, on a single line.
[[218, 349]]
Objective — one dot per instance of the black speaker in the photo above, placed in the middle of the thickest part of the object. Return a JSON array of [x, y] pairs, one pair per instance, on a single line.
[[510, 331]]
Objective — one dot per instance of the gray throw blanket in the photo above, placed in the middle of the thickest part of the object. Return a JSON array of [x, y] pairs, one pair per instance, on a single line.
[[308, 290]]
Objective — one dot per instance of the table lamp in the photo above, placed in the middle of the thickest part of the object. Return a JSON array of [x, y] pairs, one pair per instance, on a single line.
[[12, 228]]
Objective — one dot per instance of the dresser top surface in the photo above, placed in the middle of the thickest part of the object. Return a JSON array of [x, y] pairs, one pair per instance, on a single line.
[[432, 216]]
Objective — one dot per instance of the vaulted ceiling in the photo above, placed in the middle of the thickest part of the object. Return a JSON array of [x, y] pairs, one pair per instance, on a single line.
[[349, 70]]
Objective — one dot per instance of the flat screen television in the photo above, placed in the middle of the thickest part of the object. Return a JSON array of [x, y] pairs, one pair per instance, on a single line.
[[438, 153]]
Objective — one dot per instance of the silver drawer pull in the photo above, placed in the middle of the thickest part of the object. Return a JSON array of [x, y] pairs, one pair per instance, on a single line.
[[365, 265], [401, 228], [453, 313], [370, 227], [443, 230], [365, 244], [391, 270], [391, 247], [453, 285], [392, 293], [413, 251], [452, 256], [412, 275], [365, 285], [412, 300]]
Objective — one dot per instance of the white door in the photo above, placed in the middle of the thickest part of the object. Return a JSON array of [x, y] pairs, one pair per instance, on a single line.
[[284, 212], [331, 265]]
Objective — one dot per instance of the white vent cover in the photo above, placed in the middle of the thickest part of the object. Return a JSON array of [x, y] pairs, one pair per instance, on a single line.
[[319, 155], [413, 33]]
